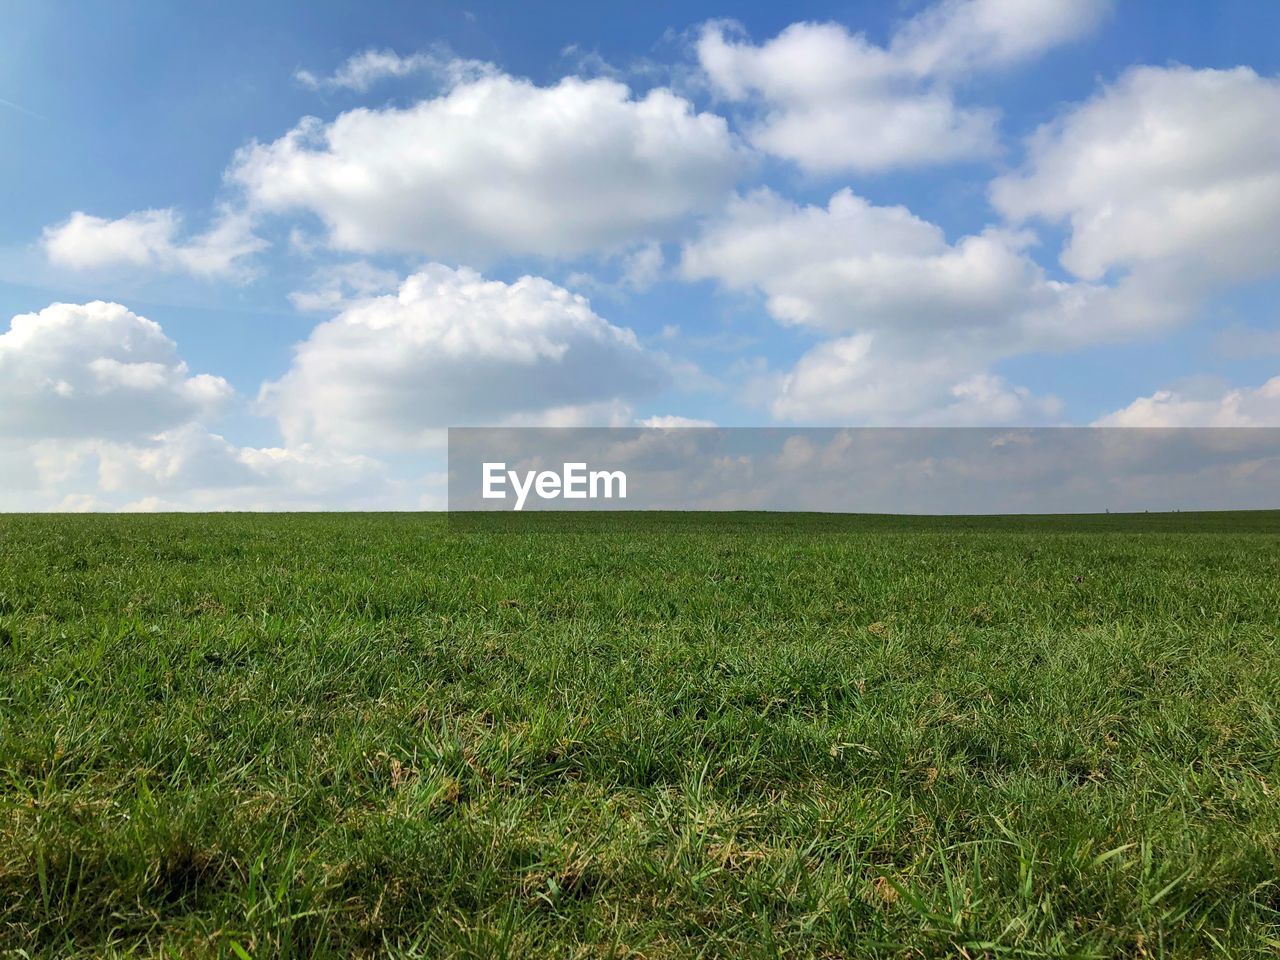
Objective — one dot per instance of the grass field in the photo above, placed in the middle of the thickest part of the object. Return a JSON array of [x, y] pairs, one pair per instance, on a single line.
[[356, 735]]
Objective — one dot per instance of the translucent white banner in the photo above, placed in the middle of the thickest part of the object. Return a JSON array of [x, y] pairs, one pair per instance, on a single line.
[[864, 470]]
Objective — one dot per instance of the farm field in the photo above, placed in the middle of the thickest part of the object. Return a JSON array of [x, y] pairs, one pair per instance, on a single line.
[[336, 735]]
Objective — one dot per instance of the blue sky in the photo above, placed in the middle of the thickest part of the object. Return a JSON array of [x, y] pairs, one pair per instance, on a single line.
[[971, 212]]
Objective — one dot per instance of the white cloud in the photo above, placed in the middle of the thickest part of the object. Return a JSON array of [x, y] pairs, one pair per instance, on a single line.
[[920, 320], [150, 239], [674, 422], [96, 370], [362, 70], [98, 411], [642, 267], [190, 468], [602, 413], [336, 287], [1171, 168], [451, 348], [636, 270], [81, 503], [831, 100], [960, 36], [1237, 407], [853, 266], [498, 166], [859, 379], [194, 466]]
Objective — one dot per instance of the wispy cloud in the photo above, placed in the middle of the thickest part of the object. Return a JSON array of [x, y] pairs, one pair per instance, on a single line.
[[364, 69], [21, 109]]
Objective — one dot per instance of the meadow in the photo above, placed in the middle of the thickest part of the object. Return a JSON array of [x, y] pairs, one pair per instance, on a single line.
[[261, 736]]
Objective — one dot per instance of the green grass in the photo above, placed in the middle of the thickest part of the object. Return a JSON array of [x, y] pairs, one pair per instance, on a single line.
[[364, 735]]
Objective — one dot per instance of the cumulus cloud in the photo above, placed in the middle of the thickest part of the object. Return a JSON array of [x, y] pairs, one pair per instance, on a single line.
[[498, 166], [151, 239], [96, 370], [832, 100], [189, 468], [191, 465], [452, 348], [920, 319], [1236, 407], [853, 265], [1169, 168], [881, 382], [99, 412]]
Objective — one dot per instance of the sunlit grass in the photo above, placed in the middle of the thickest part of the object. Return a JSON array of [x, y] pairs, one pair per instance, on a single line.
[[333, 735]]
